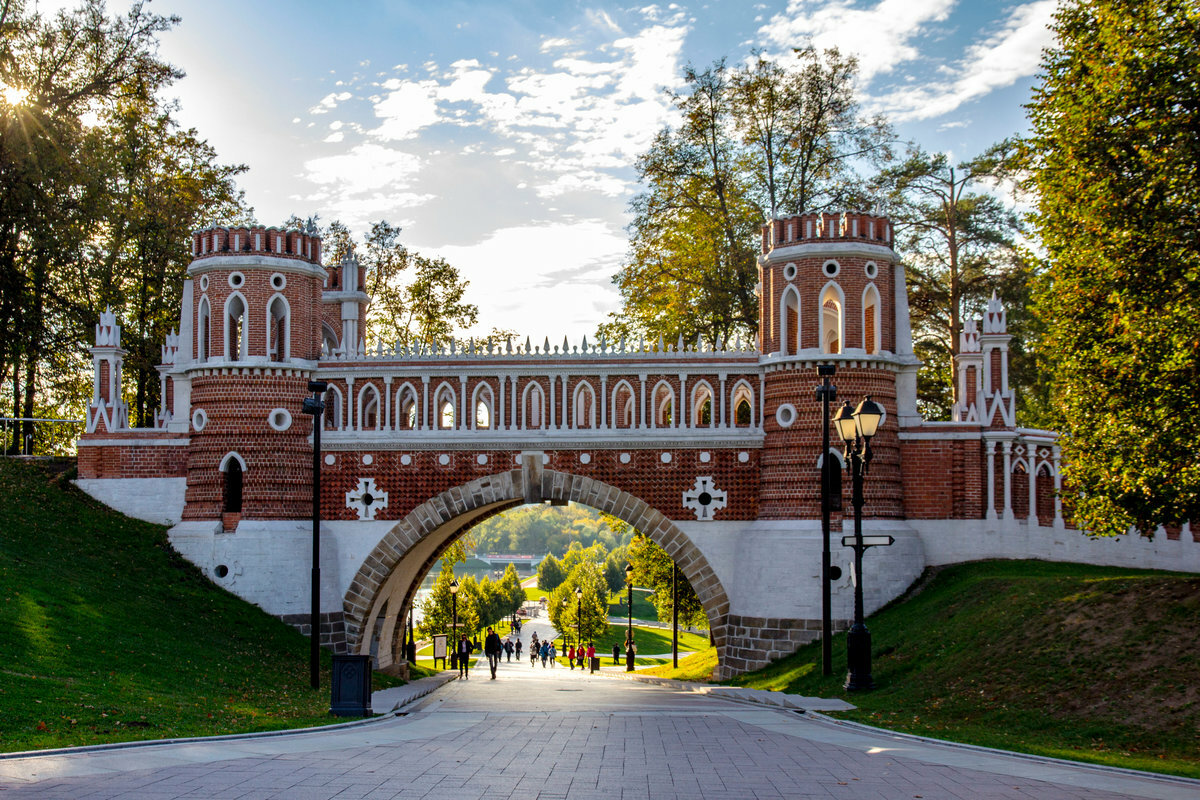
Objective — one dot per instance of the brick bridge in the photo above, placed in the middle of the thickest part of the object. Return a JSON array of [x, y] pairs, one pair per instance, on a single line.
[[712, 452]]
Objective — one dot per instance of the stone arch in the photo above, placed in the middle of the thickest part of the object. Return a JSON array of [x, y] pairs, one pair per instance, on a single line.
[[388, 578]]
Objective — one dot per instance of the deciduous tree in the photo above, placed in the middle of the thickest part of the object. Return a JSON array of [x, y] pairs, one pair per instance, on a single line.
[[1116, 167]]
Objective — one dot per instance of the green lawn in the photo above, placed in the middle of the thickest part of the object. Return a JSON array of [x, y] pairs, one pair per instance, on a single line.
[[1064, 660], [108, 635], [618, 605]]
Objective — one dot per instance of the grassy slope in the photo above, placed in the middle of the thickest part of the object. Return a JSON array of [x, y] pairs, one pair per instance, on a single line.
[[109, 635], [1072, 661]]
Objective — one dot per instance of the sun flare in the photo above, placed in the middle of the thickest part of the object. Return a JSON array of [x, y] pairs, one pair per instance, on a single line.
[[14, 95]]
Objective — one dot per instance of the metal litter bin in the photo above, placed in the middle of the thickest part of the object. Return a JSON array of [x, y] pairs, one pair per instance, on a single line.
[[351, 692]]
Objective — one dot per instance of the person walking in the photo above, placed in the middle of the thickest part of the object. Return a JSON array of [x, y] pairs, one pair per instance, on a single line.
[[517, 647], [545, 653], [553, 654], [571, 656], [591, 653], [492, 649], [508, 650], [616, 653], [579, 654], [464, 657]]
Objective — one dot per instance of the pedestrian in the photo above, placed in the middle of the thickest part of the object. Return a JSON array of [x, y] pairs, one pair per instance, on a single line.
[[517, 647], [553, 654], [616, 653], [508, 650], [545, 653], [591, 654], [571, 656], [464, 657], [579, 654], [492, 649]]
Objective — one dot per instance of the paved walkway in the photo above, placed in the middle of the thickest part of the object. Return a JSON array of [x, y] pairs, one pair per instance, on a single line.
[[560, 735]]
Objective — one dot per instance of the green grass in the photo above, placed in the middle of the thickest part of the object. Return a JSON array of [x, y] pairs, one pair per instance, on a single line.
[[698, 667], [618, 605], [108, 635], [1088, 663]]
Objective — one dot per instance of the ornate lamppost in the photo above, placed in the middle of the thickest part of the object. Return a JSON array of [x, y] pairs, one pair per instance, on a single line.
[[315, 406], [454, 611], [856, 428], [629, 646]]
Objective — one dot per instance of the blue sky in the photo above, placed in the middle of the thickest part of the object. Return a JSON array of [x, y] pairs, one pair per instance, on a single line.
[[502, 134]]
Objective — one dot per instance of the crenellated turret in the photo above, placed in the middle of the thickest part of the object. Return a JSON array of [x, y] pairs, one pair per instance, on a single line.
[[981, 370]]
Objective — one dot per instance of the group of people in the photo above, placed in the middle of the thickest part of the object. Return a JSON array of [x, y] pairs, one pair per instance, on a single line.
[[494, 648]]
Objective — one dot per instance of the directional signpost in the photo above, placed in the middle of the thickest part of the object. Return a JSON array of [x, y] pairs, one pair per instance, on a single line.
[[868, 540]]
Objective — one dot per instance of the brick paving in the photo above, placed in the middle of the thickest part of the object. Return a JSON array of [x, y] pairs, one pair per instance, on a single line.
[[542, 734]]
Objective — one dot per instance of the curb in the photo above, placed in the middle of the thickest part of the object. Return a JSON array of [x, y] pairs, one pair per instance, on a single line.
[[421, 687], [762, 697]]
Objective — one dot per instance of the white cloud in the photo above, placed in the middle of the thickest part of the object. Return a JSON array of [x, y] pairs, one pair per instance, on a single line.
[[330, 102], [406, 109], [566, 269], [365, 167], [880, 35], [1012, 53]]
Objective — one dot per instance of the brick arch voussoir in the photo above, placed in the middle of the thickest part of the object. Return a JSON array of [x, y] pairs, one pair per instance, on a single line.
[[457, 501]]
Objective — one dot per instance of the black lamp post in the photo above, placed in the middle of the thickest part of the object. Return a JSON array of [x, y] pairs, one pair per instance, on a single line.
[[856, 428], [674, 615], [315, 406], [578, 618], [629, 630], [563, 619], [826, 393], [454, 610]]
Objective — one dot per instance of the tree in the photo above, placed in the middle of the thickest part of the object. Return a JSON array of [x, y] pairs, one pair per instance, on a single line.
[[549, 573], [1115, 163], [652, 567], [513, 592], [565, 617], [77, 118], [759, 140], [957, 243], [437, 610]]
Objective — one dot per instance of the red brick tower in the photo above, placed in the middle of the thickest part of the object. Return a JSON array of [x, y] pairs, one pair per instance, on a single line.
[[831, 292], [255, 339]]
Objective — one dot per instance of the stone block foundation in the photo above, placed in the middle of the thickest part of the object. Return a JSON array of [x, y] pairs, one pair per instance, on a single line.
[[333, 629]]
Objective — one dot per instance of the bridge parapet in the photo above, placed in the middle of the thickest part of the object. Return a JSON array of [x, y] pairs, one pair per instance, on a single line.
[[488, 348]]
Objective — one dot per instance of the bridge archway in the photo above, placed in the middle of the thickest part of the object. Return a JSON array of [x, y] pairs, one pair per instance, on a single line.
[[389, 577]]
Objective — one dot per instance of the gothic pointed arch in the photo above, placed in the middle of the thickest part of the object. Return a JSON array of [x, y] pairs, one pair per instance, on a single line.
[[533, 407], [742, 403], [369, 416], [204, 330], [484, 404], [833, 319], [789, 318], [279, 328], [623, 405], [408, 416], [663, 397], [872, 333], [445, 407], [334, 408], [702, 415], [583, 406], [236, 329]]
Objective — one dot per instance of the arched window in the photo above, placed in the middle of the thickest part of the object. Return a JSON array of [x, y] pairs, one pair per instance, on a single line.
[[278, 329], [743, 405], [533, 405], [484, 406], [623, 405], [203, 328], [333, 409], [871, 332], [584, 415], [445, 407], [702, 406], [233, 469], [789, 314], [406, 408], [369, 418], [236, 335], [329, 342], [664, 405], [832, 319]]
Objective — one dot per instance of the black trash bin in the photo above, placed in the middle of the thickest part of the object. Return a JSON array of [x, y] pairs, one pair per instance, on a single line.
[[351, 686]]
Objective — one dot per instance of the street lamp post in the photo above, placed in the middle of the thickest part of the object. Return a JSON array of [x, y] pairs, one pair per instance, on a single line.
[[674, 615], [826, 393], [454, 610], [561, 619], [578, 618], [315, 406], [629, 628], [856, 428]]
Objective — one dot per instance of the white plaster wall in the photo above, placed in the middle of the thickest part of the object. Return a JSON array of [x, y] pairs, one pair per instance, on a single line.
[[270, 562], [955, 541], [157, 500], [772, 568]]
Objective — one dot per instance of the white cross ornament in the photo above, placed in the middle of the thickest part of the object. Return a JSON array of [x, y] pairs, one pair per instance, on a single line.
[[366, 499], [705, 499]]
